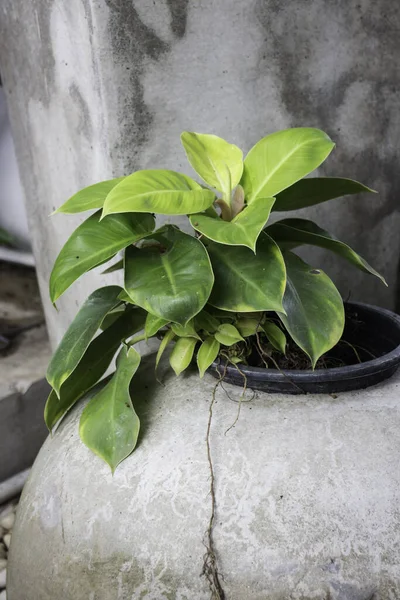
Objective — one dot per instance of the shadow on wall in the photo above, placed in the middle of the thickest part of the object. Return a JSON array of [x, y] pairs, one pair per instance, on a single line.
[[12, 209]]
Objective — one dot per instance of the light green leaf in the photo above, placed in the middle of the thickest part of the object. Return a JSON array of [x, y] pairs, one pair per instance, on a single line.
[[109, 425], [93, 364], [228, 335], [94, 242], [89, 198], [314, 190], [207, 353], [275, 336], [243, 230], [158, 191], [173, 281], [168, 337], [153, 325], [248, 326], [206, 322], [187, 330], [282, 158], [314, 308], [303, 231], [247, 282], [182, 354], [218, 163], [79, 334]]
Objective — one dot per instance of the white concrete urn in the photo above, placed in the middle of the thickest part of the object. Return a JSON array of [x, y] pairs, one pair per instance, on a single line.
[[307, 492]]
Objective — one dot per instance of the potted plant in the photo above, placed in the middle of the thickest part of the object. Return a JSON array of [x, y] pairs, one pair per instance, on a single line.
[[233, 297]]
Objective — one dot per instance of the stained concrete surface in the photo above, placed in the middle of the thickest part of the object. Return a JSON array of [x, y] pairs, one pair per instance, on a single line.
[[307, 495]]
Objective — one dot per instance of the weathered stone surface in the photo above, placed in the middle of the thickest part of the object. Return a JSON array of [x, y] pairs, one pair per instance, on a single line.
[[98, 88], [307, 497]]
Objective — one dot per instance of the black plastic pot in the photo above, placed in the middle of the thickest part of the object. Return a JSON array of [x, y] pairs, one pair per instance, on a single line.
[[375, 330]]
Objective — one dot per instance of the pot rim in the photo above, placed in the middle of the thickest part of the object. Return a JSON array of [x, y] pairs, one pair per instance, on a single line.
[[348, 372]]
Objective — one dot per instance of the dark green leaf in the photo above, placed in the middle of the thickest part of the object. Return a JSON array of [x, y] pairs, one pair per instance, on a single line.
[[93, 364], [314, 190], [172, 281], [243, 230], [79, 334], [245, 282], [182, 354], [314, 308], [109, 425], [94, 242], [158, 191], [303, 231], [282, 158], [89, 198], [207, 353], [206, 322], [275, 336]]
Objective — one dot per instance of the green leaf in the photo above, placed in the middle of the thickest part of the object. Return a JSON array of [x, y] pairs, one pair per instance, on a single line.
[[109, 425], [153, 325], [89, 198], [158, 191], [182, 354], [168, 337], [94, 242], [243, 230], [207, 353], [248, 326], [93, 364], [314, 308], [303, 231], [218, 163], [247, 282], [79, 334], [275, 336], [115, 267], [282, 158], [172, 281], [206, 322], [228, 335], [187, 330], [314, 190]]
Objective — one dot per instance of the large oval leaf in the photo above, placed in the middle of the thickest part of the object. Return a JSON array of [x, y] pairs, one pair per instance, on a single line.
[[314, 308], [93, 364], [173, 280], [89, 198], [93, 243], [218, 163], [79, 334], [247, 282], [109, 425], [282, 158], [302, 231], [158, 191], [243, 230], [314, 190]]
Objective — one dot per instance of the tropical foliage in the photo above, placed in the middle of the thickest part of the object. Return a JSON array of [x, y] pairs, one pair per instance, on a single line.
[[206, 295]]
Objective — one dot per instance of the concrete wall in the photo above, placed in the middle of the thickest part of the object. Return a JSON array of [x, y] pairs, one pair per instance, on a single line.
[[98, 88]]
